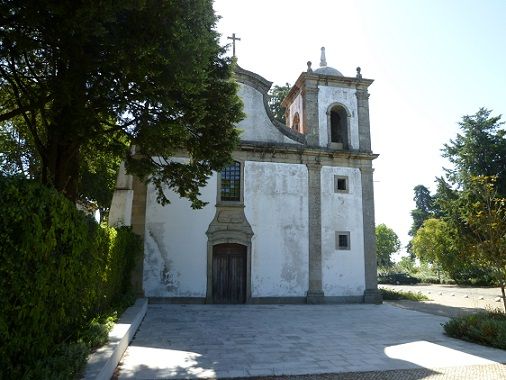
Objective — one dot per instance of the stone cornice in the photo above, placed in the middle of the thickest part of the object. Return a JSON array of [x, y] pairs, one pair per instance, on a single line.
[[291, 153], [327, 80]]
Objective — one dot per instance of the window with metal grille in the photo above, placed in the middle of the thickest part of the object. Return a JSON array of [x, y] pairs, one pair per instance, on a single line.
[[342, 240], [231, 183], [340, 184]]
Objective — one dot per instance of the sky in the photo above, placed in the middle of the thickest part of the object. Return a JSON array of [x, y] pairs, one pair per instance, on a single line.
[[432, 62]]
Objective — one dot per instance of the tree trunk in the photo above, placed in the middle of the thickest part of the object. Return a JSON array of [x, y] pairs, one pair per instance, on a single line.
[[503, 296], [63, 168]]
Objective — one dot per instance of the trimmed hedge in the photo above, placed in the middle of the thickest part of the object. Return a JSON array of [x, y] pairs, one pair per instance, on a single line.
[[58, 269], [487, 328]]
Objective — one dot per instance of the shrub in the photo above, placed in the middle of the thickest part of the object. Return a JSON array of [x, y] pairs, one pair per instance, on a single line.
[[488, 328], [389, 295], [58, 269], [397, 279]]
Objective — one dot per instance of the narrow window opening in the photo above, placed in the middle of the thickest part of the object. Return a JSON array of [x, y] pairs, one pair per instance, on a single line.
[[342, 240], [338, 126], [231, 183], [296, 122], [341, 184]]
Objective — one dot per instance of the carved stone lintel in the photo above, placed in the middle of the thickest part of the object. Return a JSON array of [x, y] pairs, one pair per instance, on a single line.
[[229, 221]]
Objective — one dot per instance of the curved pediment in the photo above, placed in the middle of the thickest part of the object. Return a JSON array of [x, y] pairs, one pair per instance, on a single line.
[[259, 124]]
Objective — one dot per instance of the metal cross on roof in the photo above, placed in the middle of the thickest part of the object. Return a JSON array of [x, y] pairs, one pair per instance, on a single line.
[[233, 38]]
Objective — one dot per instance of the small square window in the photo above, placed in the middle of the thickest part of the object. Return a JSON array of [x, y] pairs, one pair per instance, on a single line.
[[340, 184], [342, 240]]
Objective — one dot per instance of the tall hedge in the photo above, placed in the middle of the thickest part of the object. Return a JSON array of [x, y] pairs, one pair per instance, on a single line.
[[58, 269]]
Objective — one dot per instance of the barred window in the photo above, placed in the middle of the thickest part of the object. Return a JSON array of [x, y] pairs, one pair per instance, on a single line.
[[231, 183], [342, 240], [340, 184]]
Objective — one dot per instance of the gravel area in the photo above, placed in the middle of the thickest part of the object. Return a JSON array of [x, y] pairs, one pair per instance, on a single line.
[[479, 372]]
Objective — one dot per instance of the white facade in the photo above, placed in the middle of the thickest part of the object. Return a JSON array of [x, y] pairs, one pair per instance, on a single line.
[[276, 206], [278, 238], [342, 269], [175, 244]]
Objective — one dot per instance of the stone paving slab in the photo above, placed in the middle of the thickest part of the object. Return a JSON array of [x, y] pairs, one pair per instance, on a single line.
[[227, 341]]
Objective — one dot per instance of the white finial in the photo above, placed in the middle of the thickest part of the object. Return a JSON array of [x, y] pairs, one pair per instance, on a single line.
[[323, 61]]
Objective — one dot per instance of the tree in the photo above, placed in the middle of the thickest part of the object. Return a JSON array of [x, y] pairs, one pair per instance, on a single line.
[[424, 210], [98, 77], [387, 243], [479, 151], [483, 212], [471, 194], [435, 243], [276, 96]]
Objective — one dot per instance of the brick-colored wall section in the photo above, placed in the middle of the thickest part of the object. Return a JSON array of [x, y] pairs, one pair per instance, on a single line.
[[138, 227]]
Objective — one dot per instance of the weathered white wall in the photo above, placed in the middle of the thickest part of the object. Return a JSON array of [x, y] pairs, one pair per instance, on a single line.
[[297, 106], [342, 270], [346, 96], [276, 206], [120, 213], [257, 126], [175, 259]]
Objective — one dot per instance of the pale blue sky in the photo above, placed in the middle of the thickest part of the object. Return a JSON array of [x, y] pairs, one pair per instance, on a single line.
[[432, 61]]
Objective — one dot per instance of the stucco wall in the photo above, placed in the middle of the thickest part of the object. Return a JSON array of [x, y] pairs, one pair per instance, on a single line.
[[276, 206], [346, 96], [175, 259], [257, 126], [342, 270]]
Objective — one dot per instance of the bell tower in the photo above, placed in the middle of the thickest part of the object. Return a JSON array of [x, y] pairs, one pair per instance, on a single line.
[[331, 110]]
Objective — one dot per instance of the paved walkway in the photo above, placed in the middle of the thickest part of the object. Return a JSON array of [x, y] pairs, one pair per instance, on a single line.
[[208, 341]]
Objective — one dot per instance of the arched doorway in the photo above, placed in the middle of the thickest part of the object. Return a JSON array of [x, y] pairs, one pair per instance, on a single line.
[[229, 273]]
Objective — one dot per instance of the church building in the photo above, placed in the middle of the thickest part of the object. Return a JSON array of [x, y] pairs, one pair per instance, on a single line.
[[291, 220]]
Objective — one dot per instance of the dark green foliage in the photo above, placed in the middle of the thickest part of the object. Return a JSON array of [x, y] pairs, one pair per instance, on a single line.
[[398, 278], [81, 78], [58, 269], [65, 362], [276, 96], [425, 209], [487, 328], [480, 150], [460, 230], [391, 295]]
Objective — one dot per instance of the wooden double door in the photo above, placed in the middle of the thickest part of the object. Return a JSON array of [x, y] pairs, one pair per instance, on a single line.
[[229, 273]]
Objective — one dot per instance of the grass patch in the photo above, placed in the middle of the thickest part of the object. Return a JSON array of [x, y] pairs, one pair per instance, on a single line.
[[391, 295], [487, 328]]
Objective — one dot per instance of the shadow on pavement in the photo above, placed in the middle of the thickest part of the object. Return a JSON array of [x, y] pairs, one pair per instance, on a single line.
[[434, 308]]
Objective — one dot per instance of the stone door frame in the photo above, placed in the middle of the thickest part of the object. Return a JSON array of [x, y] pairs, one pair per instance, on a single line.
[[230, 237]]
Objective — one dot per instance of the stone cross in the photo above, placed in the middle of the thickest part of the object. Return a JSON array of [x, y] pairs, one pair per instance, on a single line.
[[233, 38]]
